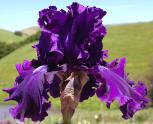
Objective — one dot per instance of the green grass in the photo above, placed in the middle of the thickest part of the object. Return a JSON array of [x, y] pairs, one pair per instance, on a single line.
[[9, 37], [134, 41], [104, 117]]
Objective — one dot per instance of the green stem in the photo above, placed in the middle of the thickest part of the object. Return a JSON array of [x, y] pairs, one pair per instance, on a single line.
[[70, 94], [67, 118]]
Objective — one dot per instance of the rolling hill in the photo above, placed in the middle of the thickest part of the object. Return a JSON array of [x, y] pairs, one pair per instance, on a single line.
[[8, 72], [134, 41], [30, 31], [9, 37]]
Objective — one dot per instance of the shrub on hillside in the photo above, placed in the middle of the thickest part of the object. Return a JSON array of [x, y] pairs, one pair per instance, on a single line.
[[5, 48], [18, 33], [30, 39]]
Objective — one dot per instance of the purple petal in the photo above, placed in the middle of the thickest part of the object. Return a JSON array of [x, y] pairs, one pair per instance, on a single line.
[[53, 80], [47, 49], [141, 88], [89, 89], [76, 9], [105, 54], [29, 95], [131, 106], [54, 87], [118, 67], [117, 88], [24, 67], [66, 36]]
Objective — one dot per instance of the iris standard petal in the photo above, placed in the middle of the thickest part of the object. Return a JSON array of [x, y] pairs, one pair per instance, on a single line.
[[67, 35]]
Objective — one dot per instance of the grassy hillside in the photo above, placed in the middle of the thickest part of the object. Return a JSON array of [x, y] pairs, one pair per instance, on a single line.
[[8, 70], [134, 41], [30, 31], [9, 37]]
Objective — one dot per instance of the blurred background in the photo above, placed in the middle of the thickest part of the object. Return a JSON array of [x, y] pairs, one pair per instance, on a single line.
[[129, 34]]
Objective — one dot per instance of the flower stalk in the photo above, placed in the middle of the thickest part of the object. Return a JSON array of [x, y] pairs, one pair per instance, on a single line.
[[70, 94]]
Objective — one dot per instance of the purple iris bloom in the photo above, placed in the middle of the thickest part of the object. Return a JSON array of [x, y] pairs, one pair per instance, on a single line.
[[71, 65]]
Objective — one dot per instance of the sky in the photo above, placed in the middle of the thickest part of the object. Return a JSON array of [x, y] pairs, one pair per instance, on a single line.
[[19, 14]]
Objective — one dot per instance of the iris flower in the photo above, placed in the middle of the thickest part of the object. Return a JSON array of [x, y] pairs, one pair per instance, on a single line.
[[71, 65]]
